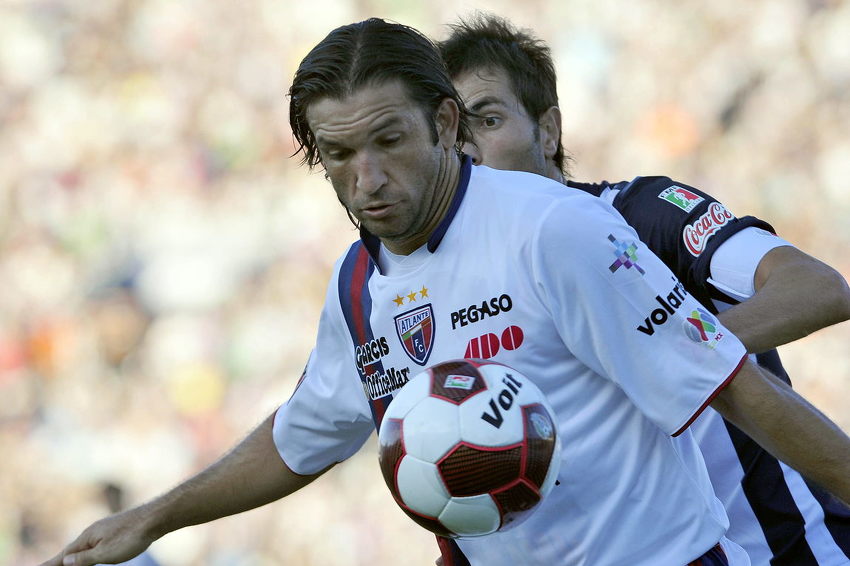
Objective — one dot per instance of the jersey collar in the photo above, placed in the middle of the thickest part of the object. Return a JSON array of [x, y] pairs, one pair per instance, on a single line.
[[373, 244]]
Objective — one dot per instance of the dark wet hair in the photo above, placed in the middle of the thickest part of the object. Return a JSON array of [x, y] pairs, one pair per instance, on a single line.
[[370, 53]]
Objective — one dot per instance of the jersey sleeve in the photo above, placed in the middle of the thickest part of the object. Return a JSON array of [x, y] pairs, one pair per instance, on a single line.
[[624, 314], [682, 225], [327, 419], [735, 262]]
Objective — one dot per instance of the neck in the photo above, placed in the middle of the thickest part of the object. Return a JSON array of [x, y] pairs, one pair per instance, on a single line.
[[445, 187], [555, 173]]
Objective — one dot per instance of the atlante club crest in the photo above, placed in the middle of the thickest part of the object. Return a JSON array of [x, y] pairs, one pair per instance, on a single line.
[[415, 329]]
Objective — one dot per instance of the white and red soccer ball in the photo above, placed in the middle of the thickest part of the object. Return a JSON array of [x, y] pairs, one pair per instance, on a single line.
[[469, 447]]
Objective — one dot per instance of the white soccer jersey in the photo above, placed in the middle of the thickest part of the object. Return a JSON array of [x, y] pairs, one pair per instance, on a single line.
[[556, 285]]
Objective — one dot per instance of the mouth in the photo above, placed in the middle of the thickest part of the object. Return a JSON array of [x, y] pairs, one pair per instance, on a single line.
[[376, 211]]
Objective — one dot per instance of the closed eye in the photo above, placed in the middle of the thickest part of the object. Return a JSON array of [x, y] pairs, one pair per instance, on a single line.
[[336, 153], [389, 141]]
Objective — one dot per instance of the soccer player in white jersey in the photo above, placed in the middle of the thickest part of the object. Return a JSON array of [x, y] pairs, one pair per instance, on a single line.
[[627, 358], [507, 78]]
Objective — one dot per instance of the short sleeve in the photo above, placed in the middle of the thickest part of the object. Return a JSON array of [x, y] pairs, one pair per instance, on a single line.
[[734, 263], [623, 313], [327, 419], [682, 225]]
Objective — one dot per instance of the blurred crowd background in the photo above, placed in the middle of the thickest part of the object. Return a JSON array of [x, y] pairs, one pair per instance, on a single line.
[[163, 260]]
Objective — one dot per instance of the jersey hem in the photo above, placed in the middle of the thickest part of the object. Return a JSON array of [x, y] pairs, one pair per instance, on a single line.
[[711, 397]]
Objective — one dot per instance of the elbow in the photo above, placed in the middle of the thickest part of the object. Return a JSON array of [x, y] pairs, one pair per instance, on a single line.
[[828, 296], [840, 304]]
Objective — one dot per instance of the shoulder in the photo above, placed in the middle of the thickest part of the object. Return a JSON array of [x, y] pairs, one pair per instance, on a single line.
[[351, 272], [516, 203], [356, 265], [662, 193], [661, 209], [518, 191], [527, 217], [511, 183]]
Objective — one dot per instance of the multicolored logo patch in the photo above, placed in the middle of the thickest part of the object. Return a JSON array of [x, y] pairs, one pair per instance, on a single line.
[[683, 198], [701, 326], [415, 329], [626, 254]]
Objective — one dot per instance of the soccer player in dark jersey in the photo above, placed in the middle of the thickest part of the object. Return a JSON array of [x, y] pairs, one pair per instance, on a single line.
[[765, 290]]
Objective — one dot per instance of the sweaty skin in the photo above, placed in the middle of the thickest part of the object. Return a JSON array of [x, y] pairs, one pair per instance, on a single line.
[[383, 163], [505, 136]]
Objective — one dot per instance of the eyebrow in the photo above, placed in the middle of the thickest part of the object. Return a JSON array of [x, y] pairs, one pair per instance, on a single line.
[[388, 123], [382, 125], [484, 102]]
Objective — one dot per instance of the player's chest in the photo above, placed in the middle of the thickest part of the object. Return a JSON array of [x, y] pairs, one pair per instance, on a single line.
[[417, 321]]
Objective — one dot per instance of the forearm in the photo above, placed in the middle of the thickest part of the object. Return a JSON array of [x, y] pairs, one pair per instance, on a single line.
[[249, 476], [796, 295], [788, 427]]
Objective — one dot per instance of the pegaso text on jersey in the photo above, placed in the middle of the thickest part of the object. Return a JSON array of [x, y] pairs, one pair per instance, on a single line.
[[474, 313]]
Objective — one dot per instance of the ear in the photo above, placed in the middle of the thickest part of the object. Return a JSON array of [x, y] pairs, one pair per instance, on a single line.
[[447, 120], [550, 131]]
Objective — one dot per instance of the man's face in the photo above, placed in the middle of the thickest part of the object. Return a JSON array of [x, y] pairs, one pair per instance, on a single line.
[[378, 151], [505, 136]]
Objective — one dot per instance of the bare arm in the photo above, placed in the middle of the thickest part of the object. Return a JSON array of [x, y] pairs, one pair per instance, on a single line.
[[249, 476], [796, 295], [788, 427]]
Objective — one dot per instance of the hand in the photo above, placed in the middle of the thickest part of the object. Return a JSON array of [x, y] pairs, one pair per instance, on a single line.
[[112, 540]]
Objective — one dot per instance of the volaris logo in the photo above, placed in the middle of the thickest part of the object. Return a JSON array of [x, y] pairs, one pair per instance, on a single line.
[[669, 305]]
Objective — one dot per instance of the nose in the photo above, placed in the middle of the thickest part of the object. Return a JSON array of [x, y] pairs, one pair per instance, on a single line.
[[370, 174], [472, 150]]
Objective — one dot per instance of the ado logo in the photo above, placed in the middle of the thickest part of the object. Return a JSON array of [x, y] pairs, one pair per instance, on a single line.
[[487, 345]]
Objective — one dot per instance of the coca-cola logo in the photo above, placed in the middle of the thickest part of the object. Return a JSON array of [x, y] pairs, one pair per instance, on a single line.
[[697, 234]]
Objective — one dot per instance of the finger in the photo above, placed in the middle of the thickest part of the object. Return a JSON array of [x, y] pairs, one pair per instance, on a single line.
[[60, 559], [55, 561], [83, 558], [70, 555]]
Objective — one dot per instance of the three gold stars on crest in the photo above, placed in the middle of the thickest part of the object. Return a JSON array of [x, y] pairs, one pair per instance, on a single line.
[[411, 297]]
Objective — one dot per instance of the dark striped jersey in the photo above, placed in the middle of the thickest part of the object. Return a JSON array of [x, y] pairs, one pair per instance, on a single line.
[[775, 514]]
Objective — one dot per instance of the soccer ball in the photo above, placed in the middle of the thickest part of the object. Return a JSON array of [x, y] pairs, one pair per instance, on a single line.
[[468, 448]]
